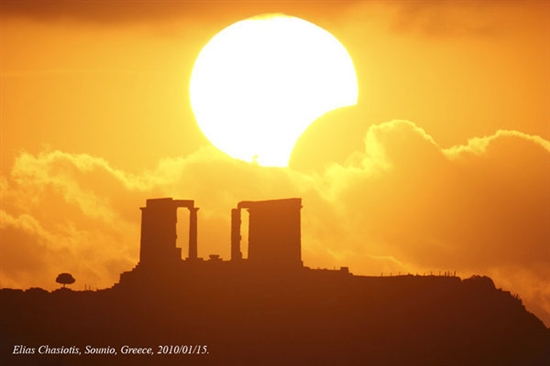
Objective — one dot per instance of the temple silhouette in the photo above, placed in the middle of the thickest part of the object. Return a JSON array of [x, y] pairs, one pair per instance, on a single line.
[[274, 241]]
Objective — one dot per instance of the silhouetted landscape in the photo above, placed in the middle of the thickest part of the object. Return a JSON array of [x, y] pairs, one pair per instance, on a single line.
[[265, 309]]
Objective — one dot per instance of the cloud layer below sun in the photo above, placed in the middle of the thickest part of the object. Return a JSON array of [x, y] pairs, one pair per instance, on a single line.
[[403, 204]]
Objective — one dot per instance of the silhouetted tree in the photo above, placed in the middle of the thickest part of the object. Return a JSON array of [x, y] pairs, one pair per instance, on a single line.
[[65, 279]]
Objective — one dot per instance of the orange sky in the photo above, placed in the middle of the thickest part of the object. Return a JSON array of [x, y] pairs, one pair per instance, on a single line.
[[444, 164]]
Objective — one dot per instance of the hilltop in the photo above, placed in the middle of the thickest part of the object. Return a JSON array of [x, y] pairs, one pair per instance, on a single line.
[[265, 308], [318, 317]]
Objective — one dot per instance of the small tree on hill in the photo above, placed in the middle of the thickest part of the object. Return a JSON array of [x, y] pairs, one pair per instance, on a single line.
[[65, 279]]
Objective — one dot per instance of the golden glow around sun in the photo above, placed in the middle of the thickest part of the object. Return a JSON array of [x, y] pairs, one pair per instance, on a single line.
[[259, 83]]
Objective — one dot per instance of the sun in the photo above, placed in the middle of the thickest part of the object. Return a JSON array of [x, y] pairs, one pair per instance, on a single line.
[[259, 83]]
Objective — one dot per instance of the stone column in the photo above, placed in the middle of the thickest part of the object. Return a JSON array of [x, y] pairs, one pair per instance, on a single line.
[[236, 253], [193, 233]]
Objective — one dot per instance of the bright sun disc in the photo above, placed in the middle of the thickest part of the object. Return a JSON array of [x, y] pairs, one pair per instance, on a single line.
[[259, 83]]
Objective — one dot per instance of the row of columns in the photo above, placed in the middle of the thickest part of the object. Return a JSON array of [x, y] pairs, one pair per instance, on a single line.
[[159, 233], [274, 231]]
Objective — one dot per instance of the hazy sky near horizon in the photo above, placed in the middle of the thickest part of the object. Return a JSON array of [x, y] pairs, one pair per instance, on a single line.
[[443, 165]]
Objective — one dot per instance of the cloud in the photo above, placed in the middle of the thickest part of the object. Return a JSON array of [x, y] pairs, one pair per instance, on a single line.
[[479, 208], [98, 11], [113, 13], [444, 19], [402, 204], [62, 212], [457, 19], [441, 207]]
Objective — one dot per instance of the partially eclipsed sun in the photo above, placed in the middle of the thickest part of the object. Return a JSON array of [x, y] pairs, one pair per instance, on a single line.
[[259, 83]]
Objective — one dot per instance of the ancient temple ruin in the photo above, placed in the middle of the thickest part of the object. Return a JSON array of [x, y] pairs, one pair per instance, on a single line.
[[274, 236], [158, 231], [274, 240]]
